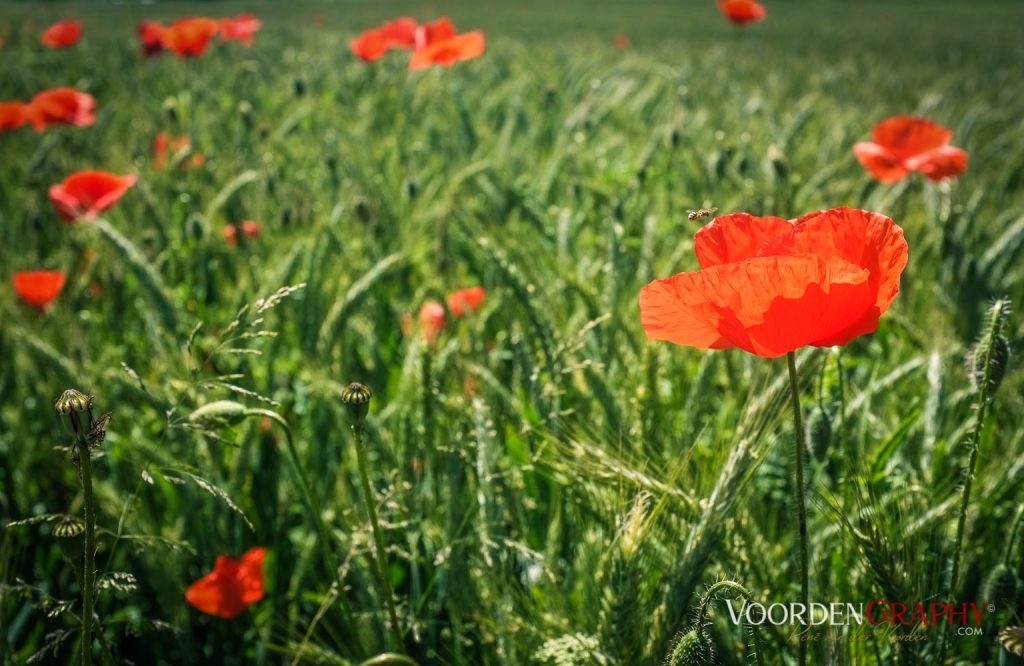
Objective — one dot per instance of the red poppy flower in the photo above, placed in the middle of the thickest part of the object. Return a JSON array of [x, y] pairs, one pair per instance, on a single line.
[[249, 229], [164, 144], [431, 321], [12, 115], [39, 288], [85, 194], [466, 300], [436, 31], [62, 35], [449, 51], [903, 144], [189, 37], [241, 28], [741, 12], [374, 43], [61, 106], [231, 587], [621, 42], [151, 36], [770, 286]]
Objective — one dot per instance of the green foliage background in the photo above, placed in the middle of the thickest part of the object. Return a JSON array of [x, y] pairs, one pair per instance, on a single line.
[[556, 171]]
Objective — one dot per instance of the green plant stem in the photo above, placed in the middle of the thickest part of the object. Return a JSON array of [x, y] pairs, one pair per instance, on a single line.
[[378, 539], [323, 535], [984, 392], [1008, 557], [705, 605], [89, 554], [801, 505]]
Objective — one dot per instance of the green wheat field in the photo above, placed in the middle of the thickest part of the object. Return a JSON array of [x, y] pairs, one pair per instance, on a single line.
[[551, 486]]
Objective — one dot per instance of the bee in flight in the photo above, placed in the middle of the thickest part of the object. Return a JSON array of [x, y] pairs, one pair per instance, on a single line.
[[701, 213]]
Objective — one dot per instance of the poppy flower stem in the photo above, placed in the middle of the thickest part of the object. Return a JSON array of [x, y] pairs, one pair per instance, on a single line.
[[997, 315], [378, 538], [801, 504], [89, 555]]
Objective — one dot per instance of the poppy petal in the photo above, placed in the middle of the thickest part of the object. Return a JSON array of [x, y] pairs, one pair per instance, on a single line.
[[883, 165], [39, 288], [85, 194], [678, 310], [449, 51], [742, 12], [870, 241], [908, 136], [734, 237], [250, 575], [945, 162], [12, 115], [433, 32]]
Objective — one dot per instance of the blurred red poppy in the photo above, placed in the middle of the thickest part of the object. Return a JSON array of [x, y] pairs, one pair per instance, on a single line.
[[189, 37], [232, 586], [61, 106], [621, 42], [249, 229], [241, 28], [466, 300], [12, 115], [151, 36], [741, 12], [431, 321], [374, 43], [164, 144], [39, 288], [904, 144], [770, 286], [62, 34], [447, 52], [85, 194], [433, 32]]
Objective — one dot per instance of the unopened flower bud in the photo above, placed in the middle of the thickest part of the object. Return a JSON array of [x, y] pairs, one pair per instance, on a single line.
[[69, 531], [694, 648], [997, 367], [357, 397], [72, 403]]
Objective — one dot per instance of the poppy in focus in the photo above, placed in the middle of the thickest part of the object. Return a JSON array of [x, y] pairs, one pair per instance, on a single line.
[[904, 144], [374, 43], [770, 286], [249, 229], [189, 37], [12, 115], [241, 28], [86, 194], [61, 106], [466, 300], [61, 35], [232, 586], [449, 51], [39, 288], [151, 36], [431, 321], [741, 12]]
